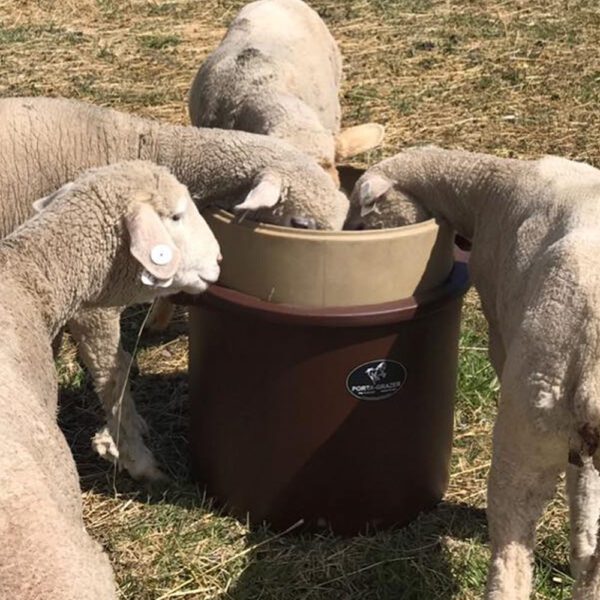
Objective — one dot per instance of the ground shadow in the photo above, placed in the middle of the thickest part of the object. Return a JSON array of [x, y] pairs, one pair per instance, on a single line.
[[160, 398], [404, 564], [408, 563], [132, 320], [162, 401], [411, 563]]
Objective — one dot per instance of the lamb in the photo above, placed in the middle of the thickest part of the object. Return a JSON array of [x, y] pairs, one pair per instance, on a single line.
[[45, 143], [534, 261], [392, 209], [277, 72], [116, 235]]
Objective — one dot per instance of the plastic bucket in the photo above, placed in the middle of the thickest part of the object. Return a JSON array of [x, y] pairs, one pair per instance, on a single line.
[[341, 417]]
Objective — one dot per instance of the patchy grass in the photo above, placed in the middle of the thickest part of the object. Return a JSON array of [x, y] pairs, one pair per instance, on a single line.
[[158, 42], [509, 77]]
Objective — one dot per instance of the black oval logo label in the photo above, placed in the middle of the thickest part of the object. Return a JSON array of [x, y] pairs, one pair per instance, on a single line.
[[376, 380]]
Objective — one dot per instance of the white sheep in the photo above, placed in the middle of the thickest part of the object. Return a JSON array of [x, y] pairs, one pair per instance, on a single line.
[[278, 71], [115, 236], [535, 261], [46, 142]]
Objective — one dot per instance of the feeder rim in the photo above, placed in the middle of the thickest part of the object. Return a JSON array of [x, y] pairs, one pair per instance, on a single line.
[[324, 235], [418, 306]]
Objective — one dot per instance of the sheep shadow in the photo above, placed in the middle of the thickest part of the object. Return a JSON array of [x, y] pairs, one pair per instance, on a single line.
[[161, 398], [162, 401]]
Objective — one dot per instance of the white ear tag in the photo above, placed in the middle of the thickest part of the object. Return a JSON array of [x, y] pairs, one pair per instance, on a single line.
[[150, 280], [161, 254], [147, 278]]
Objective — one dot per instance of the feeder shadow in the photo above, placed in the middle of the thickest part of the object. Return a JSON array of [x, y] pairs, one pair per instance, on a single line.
[[408, 563], [411, 563], [163, 402]]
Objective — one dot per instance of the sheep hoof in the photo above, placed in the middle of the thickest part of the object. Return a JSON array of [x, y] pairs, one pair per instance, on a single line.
[[140, 463], [104, 445], [142, 467], [148, 473]]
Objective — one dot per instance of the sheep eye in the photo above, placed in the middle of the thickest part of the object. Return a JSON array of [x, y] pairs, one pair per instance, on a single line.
[[176, 217]]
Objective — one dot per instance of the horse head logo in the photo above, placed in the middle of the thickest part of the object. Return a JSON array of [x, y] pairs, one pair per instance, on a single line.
[[376, 374]]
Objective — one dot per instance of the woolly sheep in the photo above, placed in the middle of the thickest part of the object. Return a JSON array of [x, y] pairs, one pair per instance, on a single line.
[[534, 227], [392, 209], [118, 235], [45, 143], [277, 71]]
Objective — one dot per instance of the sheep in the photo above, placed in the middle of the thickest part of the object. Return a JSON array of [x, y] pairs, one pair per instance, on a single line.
[[278, 71], [392, 209], [46, 142], [117, 235], [534, 261]]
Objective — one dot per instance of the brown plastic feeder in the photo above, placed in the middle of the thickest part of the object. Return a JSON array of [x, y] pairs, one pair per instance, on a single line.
[[337, 415], [326, 268]]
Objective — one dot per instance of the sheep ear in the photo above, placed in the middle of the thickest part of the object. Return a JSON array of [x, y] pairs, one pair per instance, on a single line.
[[46, 201], [355, 140], [152, 246], [371, 188], [266, 194]]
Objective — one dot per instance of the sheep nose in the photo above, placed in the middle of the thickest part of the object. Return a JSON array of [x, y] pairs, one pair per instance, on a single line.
[[219, 258]]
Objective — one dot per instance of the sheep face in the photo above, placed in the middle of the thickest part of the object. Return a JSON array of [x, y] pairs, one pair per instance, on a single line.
[[171, 241], [166, 236], [376, 203], [319, 145], [304, 198]]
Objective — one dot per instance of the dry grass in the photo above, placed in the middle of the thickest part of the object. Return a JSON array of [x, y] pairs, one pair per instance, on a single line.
[[512, 77]]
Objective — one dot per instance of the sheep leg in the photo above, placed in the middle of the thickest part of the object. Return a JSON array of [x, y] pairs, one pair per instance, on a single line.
[[496, 351], [57, 343], [583, 491], [46, 552], [587, 585], [525, 467], [97, 333], [161, 314]]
